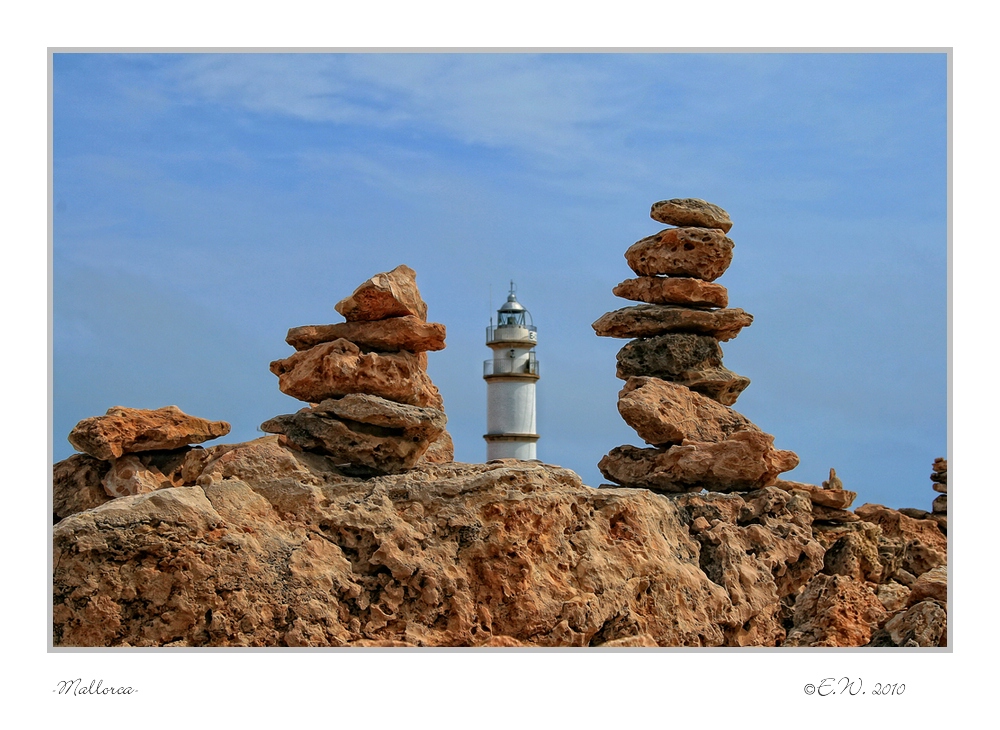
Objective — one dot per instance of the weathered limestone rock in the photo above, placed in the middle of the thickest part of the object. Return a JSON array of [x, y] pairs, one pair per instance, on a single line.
[[391, 294], [128, 475], [924, 624], [76, 485], [758, 546], [940, 505], [691, 212], [745, 461], [835, 498], [832, 514], [835, 610], [932, 584], [899, 526], [363, 430], [388, 335], [702, 253], [893, 596], [650, 320], [666, 413], [855, 553], [130, 430], [445, 555], [673, 290], [441, 450], [334, 369]]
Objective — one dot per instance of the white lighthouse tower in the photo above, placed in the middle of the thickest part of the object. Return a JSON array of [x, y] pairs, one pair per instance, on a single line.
[[510, 383]]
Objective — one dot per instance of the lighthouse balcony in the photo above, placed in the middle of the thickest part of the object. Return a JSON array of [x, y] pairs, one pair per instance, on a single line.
[[512, 333], [519, 366]]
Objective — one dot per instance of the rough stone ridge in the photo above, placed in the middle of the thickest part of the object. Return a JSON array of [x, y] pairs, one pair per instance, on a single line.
[[691, 212], [131, 430]]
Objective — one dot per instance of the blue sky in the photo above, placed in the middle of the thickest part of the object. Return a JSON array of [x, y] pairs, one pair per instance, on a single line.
[[204, 204]]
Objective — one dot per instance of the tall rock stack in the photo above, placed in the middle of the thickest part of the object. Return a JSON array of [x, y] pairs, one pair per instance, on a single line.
[[677, 393], [372, 405]]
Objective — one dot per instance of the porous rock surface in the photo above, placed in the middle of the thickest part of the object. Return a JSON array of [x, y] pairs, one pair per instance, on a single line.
[[702, 253], [408, 333]]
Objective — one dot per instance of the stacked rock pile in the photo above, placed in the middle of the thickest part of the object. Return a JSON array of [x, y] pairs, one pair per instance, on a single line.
[[372, 407], [677, 393], [939, 477], [128, 451]]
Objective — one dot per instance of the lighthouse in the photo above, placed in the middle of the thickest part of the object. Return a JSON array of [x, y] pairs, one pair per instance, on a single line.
[[510, 383]]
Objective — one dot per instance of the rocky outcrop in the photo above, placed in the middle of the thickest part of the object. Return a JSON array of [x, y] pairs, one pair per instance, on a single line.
[[372, 405], [132, 430]]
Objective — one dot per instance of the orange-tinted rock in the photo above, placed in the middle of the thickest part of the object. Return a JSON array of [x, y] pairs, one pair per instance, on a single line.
[[673, 290], [932, 584], [334, 369], [388, 335], [128, 475], [701, 253], [835, 610], [745, 461], [899, 526], [441, 450], [76, 485], [836, 498], [132, 430], [666, 413], [650, 320], [390, 294], [691, 212], [364, 431], [923, 624]]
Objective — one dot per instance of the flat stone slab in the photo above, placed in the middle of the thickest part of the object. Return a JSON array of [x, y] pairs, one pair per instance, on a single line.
[[701, 253], [694, 361], [673, 290], [338, 368], [130, 430], [665, 413], [691, 212], [744, 462], [390, 294], [409, 333], [377, 435], [650, 320]]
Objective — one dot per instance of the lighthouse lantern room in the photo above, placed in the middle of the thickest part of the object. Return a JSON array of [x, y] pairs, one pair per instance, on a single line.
[[510, 383]]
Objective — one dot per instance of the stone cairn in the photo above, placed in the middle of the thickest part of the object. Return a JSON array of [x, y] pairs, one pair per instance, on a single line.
[[939, 507], [677, 393], [372, 407], [129, 451]]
